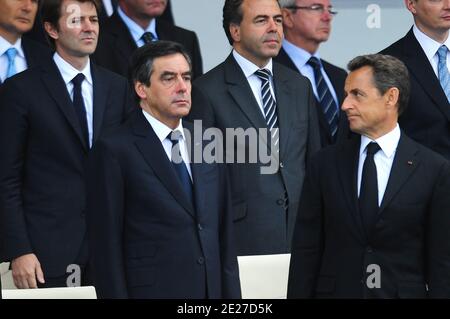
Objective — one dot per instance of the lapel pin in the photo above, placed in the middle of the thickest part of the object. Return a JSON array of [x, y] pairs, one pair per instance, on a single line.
[[410, 162]]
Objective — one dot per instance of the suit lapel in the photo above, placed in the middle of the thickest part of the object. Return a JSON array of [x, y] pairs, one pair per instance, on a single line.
[[421, 69], [405, 163], [58, 91], [124, 42], [242, 93], [346, 165], [284, 99], [100, 95], [153, 152]]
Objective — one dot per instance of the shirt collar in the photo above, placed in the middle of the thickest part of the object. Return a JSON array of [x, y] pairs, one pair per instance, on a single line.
[[161, 129], [388, 142], [429, 46], [297, 54], [68, 72], [135, 29], [248, 67], [5, 45]]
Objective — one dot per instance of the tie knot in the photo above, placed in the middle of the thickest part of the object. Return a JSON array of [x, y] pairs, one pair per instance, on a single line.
[[148, 37], [174, 137], [263, 74], [11, 53], [77, 80], [373, 148], [314, 62]]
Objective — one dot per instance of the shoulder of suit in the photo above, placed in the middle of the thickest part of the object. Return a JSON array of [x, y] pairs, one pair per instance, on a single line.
[[282, 72], [106, 74], [331, 67], [173, 29]]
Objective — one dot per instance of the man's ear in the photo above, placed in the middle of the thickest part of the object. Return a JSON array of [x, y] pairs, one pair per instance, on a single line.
[[411, 6], [51, 30], [392, 96], [288, 21], [140, 90], [235, 31]]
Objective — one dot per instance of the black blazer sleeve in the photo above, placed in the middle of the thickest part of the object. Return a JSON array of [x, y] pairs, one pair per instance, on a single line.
[[105, 216], [13, 135], [307, 239]]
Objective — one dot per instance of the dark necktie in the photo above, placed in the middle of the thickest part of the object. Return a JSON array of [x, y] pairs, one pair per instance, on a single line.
[[179, 165], [78, 104], [368, 194], [148, 37], [326, 101], [269, 105]]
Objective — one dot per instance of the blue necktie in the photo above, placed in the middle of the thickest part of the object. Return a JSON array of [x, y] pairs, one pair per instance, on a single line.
[[11, 55], [78, 103], [148, 37], [368, 193], [326, 101], [179, 165], [269, 105], [444, 76]]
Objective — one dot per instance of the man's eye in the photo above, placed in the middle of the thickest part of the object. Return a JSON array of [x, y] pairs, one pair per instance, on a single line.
[[279, 20], [187, 78]]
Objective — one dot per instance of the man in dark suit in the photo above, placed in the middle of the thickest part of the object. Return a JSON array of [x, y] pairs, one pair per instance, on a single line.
[[306, 24], [50, 116], [249, 91], [136, 23], [18, 53], [375, 211], [427, 119], [159, 226]]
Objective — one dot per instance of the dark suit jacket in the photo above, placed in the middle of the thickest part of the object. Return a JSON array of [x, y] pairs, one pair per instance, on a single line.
[[410, 241], [42, 201], [116, 45], [222, 98], [427, 118], [146, 238], [34, 52], [337, 77]]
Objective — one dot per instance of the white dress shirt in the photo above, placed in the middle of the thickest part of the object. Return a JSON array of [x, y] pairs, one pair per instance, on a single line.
[[68, 72], [19, 60], [162, 131], [430, 47], [136, 30], [108, 7], [383, 159], [300, 57], [249, 69]]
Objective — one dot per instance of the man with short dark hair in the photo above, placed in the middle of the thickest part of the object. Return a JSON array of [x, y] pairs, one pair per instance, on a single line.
[[249, 91], [50, 117], [135, 23], [18, 53], [375, 210], [307, 24], [159, 225], [425, 51]]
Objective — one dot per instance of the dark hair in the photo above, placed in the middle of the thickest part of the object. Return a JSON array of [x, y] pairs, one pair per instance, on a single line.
[[388, 72], [51, 12], [141, 62], [232, 14]]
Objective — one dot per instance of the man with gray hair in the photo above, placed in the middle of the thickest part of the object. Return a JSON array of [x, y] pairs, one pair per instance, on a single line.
[[306, 24], [377, 227], [425, 51]]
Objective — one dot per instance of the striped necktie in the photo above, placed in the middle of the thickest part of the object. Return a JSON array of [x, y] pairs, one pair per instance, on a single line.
[[269, 105], [444, 75]]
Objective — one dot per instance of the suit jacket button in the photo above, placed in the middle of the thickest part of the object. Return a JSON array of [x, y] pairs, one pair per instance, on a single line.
[[369, 249], [200, 227], [201, 260], [281, 165], [280, 202]]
